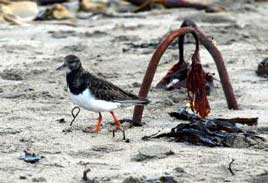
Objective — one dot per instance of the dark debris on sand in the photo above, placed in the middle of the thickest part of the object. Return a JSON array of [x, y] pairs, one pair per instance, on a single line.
[[212, 132]]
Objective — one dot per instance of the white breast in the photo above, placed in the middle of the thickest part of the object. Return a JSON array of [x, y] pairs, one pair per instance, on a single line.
[[89, 102]]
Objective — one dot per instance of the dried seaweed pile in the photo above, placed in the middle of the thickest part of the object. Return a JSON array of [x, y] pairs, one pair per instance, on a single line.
[[212, 132]]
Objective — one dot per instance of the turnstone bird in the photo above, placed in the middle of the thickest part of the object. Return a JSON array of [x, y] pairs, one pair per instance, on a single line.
[[95, 94]]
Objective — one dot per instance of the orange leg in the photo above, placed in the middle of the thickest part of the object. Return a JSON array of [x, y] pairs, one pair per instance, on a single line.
[[98, 127], [116, 120]]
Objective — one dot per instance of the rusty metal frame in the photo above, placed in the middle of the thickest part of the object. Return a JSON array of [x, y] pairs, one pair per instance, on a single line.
[[188, 27]]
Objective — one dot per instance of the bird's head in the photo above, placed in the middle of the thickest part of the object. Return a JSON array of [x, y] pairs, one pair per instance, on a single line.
[[71, 63]]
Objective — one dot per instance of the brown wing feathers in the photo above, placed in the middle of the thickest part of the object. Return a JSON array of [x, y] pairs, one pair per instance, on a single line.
[[105, 90]]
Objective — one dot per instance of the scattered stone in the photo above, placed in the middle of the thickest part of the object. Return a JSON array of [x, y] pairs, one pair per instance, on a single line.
[[61, 120], [179, 170], [152, 152], [132, 179], [168, 179], [22, 177], [127, 141]]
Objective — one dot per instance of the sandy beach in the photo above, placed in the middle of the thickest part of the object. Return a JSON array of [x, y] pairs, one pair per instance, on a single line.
[[34, 97]]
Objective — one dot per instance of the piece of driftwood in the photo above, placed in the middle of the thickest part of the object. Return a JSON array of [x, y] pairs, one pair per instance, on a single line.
[[212, 132]]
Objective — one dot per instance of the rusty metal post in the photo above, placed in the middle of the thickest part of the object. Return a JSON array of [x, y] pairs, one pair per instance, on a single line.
[[150, 72]]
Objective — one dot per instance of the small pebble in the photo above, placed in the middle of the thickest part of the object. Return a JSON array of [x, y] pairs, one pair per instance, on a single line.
[[61, 120], [23, 177]]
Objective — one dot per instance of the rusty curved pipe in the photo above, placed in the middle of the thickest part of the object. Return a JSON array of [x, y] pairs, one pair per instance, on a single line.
[[151, 69]]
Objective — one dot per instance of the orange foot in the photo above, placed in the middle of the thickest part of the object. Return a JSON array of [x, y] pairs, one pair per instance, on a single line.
[[117, 122], [94, 130]]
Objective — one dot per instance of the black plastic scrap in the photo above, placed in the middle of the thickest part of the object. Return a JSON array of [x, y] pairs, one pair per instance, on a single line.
[[30, 157], [212, 132]]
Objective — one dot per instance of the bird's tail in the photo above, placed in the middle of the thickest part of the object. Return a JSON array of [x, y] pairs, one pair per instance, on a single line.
[[134, 102]]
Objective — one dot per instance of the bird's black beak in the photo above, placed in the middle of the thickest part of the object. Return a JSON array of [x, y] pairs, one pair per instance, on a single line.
[[62, 67]]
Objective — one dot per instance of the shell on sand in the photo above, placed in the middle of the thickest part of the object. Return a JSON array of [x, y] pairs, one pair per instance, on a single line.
[[25, 10]]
